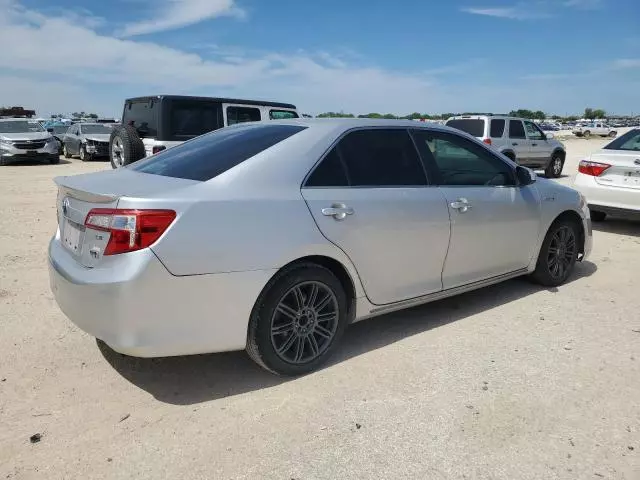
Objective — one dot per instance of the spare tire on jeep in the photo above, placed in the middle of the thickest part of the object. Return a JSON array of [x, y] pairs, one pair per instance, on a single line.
[[125, 146]]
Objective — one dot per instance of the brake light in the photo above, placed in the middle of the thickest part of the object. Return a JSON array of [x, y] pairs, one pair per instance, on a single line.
[[157, 148], [594, 169], [130, 230]]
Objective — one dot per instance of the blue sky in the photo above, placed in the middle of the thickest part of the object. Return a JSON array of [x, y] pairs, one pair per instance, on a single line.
[[359, 56]]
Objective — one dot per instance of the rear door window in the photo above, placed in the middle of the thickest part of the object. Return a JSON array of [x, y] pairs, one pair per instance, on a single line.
[[282, 114], [329, 173], [142, 115], [207, 156], [497, 128], [473, 126], [242, 114], [381, 158], [516, 129]]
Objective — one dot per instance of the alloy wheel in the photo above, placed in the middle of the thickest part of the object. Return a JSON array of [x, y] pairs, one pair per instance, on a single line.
[[117, 152], [557, 166], [562, 252], [304, 322]]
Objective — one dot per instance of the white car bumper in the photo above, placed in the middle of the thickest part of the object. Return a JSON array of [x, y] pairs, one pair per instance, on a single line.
[[138, 308], [605, 198]]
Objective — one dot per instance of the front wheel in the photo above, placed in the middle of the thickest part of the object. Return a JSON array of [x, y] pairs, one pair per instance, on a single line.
[[558, 254], [298, 320], [586, 134], [554, 169], [613, 134], [65, 152], [83, 154]]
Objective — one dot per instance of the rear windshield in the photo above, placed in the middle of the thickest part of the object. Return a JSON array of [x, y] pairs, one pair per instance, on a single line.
[[473, 127], [207, 156], [630, 141]]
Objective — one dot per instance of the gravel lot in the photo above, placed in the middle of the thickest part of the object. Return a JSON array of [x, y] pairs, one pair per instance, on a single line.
[[508, 382]]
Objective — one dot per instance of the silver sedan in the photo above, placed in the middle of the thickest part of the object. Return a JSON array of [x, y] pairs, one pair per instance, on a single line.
[[273, 237]]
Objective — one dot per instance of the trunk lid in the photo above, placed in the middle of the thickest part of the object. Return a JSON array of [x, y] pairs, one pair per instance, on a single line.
[[624, 171], [79, 194]]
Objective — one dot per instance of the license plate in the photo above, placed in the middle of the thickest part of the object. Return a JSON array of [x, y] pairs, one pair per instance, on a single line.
[[31, 152], [71, 237]]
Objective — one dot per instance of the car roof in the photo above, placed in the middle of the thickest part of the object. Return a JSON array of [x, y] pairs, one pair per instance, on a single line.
[[212, 99]]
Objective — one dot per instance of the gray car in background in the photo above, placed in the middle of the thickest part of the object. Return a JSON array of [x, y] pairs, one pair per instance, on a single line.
[[87, 140], [22, 139], [274, 236]]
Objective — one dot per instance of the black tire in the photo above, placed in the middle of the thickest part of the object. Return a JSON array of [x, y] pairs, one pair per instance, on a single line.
[[260, 340], [551, 254], [54, 160], [555, 166], [586, 134], [128, 146], [65, 151], [613, 134], [597, 216]]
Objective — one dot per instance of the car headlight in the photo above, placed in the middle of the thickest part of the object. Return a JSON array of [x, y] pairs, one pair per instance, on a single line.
[[6, 143]]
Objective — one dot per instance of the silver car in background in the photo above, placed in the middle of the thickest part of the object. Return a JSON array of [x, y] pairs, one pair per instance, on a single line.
[[274, 236], [22, 139]]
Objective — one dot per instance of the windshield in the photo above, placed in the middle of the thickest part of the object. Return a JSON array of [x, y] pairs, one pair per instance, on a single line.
[[630, 141], [20, 126], [98, 128], [58, 130], [473, 127]]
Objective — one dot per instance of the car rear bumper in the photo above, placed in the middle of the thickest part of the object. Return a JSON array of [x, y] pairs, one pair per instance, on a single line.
[[138, 308], [609, 199]]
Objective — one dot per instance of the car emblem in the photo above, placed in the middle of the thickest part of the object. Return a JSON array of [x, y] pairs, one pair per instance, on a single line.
[[65, 205]]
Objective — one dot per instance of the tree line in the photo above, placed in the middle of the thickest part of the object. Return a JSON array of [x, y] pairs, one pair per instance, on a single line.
[[589, 113]]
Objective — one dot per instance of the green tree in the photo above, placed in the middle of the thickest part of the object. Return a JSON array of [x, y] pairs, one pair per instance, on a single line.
[[588, 113], [336, 115], [370, 115], [93, 115], [599, 113], [523, 113], [539, 115]]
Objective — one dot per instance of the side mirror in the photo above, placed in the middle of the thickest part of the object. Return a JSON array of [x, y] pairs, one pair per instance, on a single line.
[[525, 176], [549, 135], [50, 130]]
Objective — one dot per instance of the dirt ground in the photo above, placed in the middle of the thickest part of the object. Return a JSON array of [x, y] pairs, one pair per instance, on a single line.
[[509, 382]]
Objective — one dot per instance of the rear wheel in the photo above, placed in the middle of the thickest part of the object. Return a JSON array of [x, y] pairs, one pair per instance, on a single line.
[[558, 254], [298, 320], [613, 134], [125, 146], [586, 134], [597, 216], [554, 168]]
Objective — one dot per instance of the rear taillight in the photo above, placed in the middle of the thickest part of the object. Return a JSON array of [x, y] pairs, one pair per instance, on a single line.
[[594, 169], [130, 230], [157, 148], [487, 141]]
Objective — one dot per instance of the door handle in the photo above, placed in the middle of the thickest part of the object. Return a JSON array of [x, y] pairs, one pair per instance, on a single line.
[[534, 144], [338, 211], [462, 205]]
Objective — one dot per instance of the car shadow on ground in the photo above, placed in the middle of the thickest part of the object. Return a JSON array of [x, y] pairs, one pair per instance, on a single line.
[[34, 163], [619, 226], [194, 379]]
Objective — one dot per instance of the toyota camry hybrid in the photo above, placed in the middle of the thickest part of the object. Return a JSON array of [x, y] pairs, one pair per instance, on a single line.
[[274, 236]]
